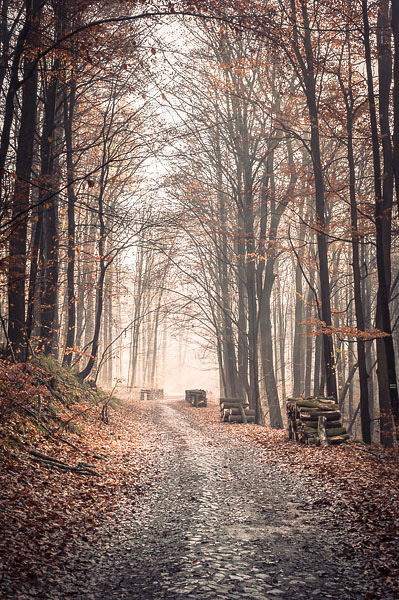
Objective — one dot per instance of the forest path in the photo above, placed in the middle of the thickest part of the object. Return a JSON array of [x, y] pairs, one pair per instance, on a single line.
[[219, 523]]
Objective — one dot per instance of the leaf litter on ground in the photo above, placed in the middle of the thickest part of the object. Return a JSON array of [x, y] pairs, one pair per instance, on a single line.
[[359, 482], [45, 510]]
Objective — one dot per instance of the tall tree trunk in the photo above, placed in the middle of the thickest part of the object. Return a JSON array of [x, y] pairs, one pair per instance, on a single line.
[[309, 340], [33, 275], [110, 312], [228, 342], [49, 242], [265, 271], [137, 319], [317, 367], [155, 342], [281, 339], [298, 349], [20, 202], [276, 420], [13, 87], [307, 68], [386, 371], [350, 403], [395, 94], [254, 395], [242, 334], [84, 373], [5, 35], [357, 278], [69, 106]]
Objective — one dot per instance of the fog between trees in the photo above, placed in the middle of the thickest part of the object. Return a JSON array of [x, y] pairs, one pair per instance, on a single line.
[[207, 185]]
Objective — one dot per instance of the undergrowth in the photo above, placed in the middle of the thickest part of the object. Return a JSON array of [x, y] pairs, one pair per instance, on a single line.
[[41, 400], [65, 466]]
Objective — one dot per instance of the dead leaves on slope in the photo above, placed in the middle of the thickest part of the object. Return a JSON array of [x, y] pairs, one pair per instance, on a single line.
[[46, 511]]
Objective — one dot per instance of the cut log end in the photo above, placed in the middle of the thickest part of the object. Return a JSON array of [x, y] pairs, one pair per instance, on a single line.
[[315, 420]]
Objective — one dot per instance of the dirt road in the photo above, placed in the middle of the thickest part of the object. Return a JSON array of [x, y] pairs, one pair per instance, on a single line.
[[219, 523]]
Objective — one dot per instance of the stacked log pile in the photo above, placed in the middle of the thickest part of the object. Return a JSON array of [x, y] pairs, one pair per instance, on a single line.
[[235, 410], [151, 394], [196, 397], [315, 420]]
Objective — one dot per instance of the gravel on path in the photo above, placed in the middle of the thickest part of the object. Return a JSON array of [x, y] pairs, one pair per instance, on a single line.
[[220, 522]]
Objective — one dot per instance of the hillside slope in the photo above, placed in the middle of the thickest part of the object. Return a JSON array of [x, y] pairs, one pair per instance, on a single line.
[[68, 455]]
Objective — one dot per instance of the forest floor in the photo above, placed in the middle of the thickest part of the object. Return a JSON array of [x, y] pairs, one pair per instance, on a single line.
[[187, 507]]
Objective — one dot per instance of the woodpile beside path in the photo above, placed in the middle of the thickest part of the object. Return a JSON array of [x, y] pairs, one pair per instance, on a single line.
[[151, 394], [235, 410], [196, 397], [315, 420]]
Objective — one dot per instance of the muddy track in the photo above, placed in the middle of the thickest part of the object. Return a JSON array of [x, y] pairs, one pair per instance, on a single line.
[[219, 523]]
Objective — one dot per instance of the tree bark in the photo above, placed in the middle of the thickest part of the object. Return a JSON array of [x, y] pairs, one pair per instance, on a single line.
[[386, 372], [395, 94], [8, 115], [309, 340], [69, 106], [357, 278], [307, 69], [20, 201], [49, 242]]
